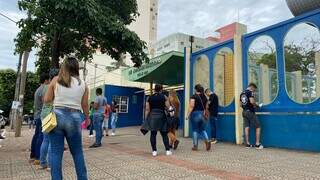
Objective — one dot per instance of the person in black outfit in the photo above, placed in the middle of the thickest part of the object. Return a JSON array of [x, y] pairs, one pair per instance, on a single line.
[[213, 110], [156, 119], [248, 103]]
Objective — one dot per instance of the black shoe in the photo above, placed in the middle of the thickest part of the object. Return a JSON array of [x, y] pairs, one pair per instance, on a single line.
[[95, 145], [1, 137], [249, 146], [259, 146]]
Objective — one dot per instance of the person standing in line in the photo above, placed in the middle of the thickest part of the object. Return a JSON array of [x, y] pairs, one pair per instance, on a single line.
[[99, 106], [248, 103], [91, 111], [46, 109], [105, 126], [114, 117], [156, 118], [69, 95], [175, 103], [196, 113], [213, 111], [38, 135]]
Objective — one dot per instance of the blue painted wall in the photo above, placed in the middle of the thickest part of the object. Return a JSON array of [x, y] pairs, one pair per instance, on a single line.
[[283, 127], [134, 116], [300, 132]]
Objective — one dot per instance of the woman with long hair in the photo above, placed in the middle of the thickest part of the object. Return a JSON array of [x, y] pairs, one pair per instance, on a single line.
[[156, 118], [175, 103], [69, 95], [196, 114]]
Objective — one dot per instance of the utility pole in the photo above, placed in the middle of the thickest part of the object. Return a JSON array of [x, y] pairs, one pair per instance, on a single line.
[[16, 94], [21, 94]]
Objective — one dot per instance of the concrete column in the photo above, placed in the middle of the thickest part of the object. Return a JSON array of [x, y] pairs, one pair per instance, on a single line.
[[238, 81], [298, 86], [238, 88], [265, 84], [187, 73], [317, 59]]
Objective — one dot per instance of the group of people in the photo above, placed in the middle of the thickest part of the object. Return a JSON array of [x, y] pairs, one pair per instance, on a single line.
[[66, 95], [203, 107]]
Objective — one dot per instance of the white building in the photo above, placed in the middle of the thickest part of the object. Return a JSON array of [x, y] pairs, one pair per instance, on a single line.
[[177, 42], [146, 28]]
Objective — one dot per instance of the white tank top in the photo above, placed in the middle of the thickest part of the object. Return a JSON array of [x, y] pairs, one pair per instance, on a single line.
[[69, 97]]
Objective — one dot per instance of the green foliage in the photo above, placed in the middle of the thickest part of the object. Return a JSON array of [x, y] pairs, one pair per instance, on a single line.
[[63, 27], [7, 89]]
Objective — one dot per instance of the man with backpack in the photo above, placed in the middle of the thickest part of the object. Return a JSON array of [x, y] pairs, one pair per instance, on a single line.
[[249, 105], [99, 107]]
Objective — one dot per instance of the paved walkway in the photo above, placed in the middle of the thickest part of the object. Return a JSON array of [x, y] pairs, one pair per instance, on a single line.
[[127, 156]]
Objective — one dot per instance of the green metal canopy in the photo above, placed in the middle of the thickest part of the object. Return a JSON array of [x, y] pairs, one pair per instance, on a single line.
[[167, 69]]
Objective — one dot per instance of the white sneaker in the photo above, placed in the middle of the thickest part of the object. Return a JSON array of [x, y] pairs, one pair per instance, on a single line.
[[113, 134], [168, 153], [154, 153]]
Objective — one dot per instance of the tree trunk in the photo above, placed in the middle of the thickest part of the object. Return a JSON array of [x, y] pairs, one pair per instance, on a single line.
[[22, 93], [55, 50]]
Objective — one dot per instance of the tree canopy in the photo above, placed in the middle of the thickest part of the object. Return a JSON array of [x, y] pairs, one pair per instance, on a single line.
[[7, 89], [82, 27]]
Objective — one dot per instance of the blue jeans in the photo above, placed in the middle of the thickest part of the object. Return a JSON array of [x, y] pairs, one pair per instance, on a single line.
[[36, 140], [69, 127], [114, 119], [91, 126], [45, 149], [198, 127], [213, 124], [97, 124]]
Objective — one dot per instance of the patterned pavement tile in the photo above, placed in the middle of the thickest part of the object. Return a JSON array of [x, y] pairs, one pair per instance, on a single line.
[[128, 156]]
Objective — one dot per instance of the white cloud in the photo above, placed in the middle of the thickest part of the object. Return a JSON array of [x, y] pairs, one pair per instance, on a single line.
[[201, 18]]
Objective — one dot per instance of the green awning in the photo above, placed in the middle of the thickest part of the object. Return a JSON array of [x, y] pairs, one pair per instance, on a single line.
[[167, 69]]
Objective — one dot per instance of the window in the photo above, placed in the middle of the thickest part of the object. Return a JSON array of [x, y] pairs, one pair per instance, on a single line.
[[302, 63], [123, 102], [223, 76], [263, 68]]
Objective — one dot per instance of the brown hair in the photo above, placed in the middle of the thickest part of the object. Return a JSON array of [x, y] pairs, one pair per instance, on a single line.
[[69, 68]]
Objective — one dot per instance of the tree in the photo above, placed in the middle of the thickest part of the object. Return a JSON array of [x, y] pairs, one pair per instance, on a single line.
[[7, 90], [60, 28]]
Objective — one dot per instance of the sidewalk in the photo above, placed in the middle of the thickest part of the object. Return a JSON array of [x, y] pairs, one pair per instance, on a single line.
[[128, 156]]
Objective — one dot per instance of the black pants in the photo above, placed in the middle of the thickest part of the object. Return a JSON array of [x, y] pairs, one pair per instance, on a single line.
[[153, 140]]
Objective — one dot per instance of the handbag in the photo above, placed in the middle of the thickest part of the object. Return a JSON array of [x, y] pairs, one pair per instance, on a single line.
[[205, 111], [49, 123]]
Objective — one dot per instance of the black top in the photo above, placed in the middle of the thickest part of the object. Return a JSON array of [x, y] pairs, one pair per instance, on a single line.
[[245, 100], [213, 104], [157, 101], [200, 102]]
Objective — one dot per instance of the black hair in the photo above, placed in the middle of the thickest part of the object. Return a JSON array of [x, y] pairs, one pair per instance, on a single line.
[[53, 73], [207, 90], [199, 88], [158, 88], [99, 91], [253, 85], [44, 77]]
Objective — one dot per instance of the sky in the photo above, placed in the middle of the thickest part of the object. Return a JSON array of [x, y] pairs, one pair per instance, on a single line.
[[195, 17]]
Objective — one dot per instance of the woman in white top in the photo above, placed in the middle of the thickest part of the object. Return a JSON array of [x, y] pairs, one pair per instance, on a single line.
[[69, 95]]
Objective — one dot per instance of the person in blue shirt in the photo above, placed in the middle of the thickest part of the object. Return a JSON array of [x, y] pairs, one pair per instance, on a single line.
[[99, 106], [249, 105]]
